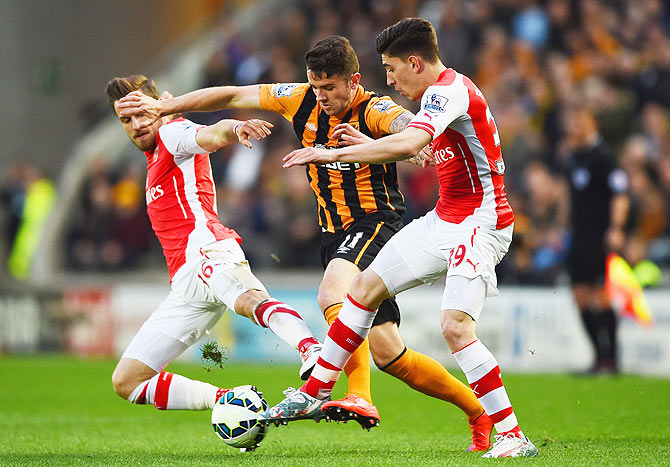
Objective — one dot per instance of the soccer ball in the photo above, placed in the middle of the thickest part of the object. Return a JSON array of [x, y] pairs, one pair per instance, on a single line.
[[235, 417]]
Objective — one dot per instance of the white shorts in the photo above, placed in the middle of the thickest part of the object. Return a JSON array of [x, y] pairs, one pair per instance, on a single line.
[[202, 289], [428, 248]]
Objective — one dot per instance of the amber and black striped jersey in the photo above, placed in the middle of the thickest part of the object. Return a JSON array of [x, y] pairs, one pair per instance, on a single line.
[[344, 191]]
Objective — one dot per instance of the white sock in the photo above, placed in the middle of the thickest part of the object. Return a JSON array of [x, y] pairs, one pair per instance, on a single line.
[[483, 374], [284, 321], [168, 391]]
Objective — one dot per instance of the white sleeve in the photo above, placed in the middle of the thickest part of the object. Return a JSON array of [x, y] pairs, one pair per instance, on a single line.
[[441, 105], [179, 138]]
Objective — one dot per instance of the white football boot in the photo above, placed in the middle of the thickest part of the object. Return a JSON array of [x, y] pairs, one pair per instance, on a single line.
[[297, 405], [512, 445]]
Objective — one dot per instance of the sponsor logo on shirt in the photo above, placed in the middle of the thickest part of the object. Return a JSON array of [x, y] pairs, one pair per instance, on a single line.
[[154, 193], [285, 90], [443, 155], [436, 103], [311, 127], [338, 165], [343, 165], [500, 167]]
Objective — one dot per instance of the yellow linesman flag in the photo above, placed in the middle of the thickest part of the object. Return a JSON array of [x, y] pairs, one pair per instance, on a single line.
[[624, 290]]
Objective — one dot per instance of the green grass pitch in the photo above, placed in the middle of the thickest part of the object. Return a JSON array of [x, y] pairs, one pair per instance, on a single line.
[[62, 411]]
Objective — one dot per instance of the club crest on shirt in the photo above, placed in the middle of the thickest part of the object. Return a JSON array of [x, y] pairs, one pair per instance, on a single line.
[[436, 103], [284, 90]]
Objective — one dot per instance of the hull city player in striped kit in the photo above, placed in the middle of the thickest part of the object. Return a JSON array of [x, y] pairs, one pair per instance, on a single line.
[[464, 237], [208, 269], [358, 209]]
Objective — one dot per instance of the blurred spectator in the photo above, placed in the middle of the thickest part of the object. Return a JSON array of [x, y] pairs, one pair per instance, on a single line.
[[12, 195], [111, 231], [29, 197]]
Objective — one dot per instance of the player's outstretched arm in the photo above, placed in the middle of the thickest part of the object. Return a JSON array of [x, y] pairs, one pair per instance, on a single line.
[[225, 132], [388, 149], [347, 135], [201, 100]]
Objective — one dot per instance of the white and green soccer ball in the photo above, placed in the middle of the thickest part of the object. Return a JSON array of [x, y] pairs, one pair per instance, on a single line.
[[236, 417]]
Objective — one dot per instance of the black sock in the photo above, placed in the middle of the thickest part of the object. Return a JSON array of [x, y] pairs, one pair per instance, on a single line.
[[589, 319], [608, 323]]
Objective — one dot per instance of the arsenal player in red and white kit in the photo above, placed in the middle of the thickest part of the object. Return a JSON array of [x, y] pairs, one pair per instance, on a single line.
[[464, 237], [208, 270]]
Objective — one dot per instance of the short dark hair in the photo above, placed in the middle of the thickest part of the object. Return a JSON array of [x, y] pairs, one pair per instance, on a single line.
[[332, 56], [120, 87], [409, 36]]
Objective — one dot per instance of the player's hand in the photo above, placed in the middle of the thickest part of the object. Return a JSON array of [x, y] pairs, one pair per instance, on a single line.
[[254, 128], [615, 239], [138, 103], [427, 155], [306, 156], [348, 135]]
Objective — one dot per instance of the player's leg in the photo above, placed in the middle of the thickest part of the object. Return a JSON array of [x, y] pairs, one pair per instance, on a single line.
[[139, 376], [426, 375], [226, 273], [471, 277], [284, 321], [332, 292], [483, 372], [407, 260], [345, 335], [586, 267], [607, 335], [583, 299]]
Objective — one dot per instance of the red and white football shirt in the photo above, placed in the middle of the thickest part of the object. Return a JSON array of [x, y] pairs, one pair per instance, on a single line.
[[181, 196], [467, 152]]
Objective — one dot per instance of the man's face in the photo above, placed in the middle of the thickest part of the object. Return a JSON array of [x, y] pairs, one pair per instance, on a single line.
[[401, 76], [335, 93], [144, 139]]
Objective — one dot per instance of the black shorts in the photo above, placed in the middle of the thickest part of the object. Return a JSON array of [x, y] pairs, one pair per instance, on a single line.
[[359, 244], [586, 259]]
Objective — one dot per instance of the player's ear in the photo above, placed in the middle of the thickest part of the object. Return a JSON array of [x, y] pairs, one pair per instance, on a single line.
[[416, 63], [355, 79]]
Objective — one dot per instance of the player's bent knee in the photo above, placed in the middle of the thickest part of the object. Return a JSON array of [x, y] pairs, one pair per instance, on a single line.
[[128, 374], [386, 344], [326, 298], [248, 301], [368, 289], [458, 328], [121, 384]]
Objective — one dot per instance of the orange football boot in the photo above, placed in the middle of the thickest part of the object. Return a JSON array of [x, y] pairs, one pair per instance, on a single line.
[[481, 432], [352, 407]]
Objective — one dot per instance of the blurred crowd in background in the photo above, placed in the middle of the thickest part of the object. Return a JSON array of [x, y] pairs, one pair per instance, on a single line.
[[533, 60]]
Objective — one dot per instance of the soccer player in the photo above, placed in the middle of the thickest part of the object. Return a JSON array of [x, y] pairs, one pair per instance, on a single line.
[[465, 236], [599, 210], [359, 208], [208, 269]]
